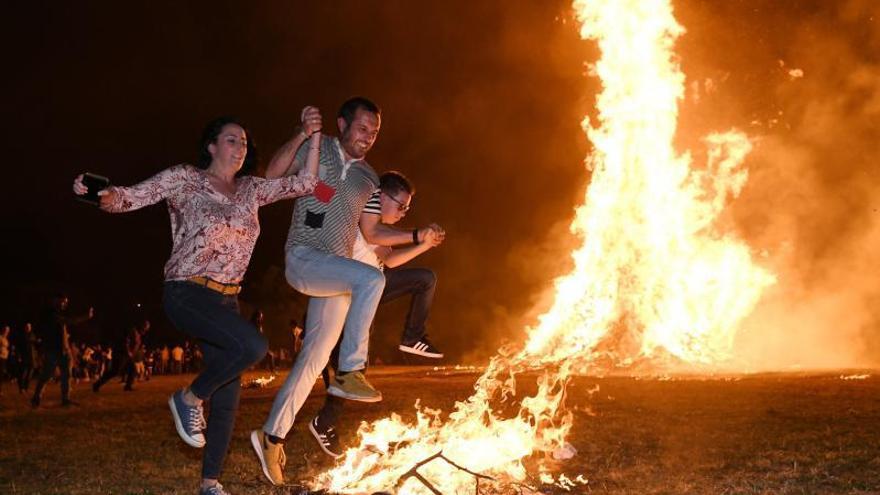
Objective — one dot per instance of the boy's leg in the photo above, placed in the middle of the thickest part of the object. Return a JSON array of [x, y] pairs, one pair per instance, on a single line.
[[421, 283]]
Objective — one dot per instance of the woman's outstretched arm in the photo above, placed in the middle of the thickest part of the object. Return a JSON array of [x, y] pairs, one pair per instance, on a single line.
[[117, 199]]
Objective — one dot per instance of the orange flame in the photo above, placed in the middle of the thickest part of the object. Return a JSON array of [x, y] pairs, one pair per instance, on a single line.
[[654, 275]]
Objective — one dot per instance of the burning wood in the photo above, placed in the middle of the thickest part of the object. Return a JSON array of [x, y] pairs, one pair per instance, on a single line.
[[261, 382], [413, 472]]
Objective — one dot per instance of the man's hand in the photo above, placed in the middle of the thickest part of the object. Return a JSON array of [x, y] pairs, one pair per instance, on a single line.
[[91, 313]]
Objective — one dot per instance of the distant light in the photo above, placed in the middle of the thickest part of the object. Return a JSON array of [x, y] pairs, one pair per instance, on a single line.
[[138, 304]]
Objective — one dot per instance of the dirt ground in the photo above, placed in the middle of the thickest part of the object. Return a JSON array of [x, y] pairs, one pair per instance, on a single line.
[[752, 434]]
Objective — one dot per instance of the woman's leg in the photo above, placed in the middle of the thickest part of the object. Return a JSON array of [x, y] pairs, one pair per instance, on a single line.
[[214, 319], [221, 421]]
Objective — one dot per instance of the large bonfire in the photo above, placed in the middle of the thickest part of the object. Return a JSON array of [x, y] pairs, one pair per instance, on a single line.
[[654, 277]]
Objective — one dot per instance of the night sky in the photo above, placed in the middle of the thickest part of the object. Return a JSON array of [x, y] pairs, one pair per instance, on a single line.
[[482, 103]]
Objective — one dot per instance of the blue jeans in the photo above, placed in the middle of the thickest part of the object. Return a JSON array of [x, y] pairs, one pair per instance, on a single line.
[[230, 344], [344, 293]]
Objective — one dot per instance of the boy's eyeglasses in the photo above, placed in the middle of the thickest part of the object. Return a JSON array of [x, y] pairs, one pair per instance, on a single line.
[[401, 206]]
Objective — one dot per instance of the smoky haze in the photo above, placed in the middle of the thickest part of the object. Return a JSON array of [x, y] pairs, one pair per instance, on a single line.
[[801, 78], [814, 190], [482, 104]]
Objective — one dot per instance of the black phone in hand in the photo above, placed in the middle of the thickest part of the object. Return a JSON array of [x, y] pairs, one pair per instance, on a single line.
[[94, 183]]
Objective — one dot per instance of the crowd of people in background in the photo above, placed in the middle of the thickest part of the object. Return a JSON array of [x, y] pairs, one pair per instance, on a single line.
[[135, 359]]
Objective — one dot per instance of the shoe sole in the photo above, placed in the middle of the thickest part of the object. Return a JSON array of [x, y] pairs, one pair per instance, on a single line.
[[192, 442], [342, 394], [255, 443], [320, 443], [410, 350]]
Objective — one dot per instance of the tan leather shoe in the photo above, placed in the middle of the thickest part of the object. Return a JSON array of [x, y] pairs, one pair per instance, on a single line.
[[271, 457], [353, 386]]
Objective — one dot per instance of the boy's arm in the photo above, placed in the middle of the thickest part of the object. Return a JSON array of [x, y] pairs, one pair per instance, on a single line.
[[396, 257]]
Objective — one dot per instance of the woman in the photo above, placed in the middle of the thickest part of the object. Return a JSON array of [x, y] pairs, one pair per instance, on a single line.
[[214, 227]]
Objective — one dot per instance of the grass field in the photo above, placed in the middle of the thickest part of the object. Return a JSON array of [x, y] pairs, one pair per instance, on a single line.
[[755, 434]]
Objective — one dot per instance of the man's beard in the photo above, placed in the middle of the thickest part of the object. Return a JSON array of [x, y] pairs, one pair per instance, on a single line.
[[351, 148]]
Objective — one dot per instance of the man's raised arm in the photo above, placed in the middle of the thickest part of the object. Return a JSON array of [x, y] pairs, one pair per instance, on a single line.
[[284, 160]]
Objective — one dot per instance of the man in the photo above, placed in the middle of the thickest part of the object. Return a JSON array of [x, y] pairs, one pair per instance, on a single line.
[[88, 361], [390, 204], [318, 264], [126, 356], [296, 336], [177, 360], [55, 342], [164, 357]]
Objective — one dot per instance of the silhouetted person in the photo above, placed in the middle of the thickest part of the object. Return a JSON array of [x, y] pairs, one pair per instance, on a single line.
[[296, 334], [26, 355], [123, 362], [4, 355], [257, 319], [54, 345]]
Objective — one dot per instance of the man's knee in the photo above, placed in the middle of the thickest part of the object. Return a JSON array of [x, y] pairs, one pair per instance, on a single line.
[[371, 279], [290, 274]]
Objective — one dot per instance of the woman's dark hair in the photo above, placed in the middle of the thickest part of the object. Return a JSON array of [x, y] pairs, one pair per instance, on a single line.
[[210, 135]]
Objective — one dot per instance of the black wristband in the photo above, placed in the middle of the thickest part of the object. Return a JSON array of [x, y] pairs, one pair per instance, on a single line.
[[415, 236]]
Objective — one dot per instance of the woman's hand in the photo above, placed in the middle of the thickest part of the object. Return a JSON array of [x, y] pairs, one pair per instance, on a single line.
[[78, 187], [311, 120], [106, 197]]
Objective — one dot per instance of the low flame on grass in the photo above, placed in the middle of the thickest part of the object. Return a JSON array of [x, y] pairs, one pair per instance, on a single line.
[[855, 377], [261, 382]]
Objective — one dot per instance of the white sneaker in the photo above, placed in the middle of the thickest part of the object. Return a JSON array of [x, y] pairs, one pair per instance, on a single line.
[[422, 347]]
